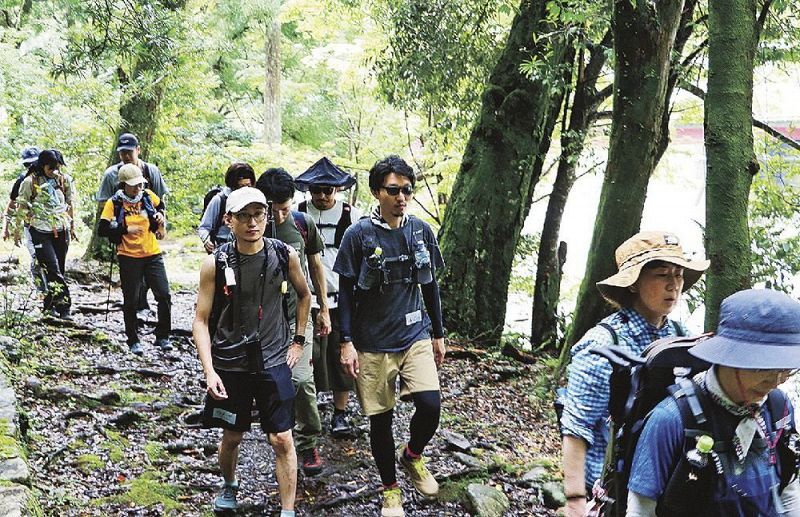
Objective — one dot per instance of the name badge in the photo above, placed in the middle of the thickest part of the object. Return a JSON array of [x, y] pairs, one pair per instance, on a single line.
[[225, 416], [230, 276], [413, 317]]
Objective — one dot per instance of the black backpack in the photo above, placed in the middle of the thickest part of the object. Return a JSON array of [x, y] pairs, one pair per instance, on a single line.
[[638, 384], [224, 296]]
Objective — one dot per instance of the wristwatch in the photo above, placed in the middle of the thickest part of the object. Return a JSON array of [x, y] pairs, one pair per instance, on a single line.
[[299, 339]]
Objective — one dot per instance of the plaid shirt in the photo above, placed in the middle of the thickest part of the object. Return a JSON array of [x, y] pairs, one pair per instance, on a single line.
[[586, 403]]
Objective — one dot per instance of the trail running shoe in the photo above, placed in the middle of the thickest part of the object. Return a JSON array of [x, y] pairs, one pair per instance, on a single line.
[[164, 344], [311, 463], [420, 476], [226, 499], [136, 348], [392, 503], [339, 426]]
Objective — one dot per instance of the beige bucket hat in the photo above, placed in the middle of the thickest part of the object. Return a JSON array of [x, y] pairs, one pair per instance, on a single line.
[[642, 248]]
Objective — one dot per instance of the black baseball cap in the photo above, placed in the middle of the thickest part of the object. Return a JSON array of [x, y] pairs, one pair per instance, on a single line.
[[127, 142]]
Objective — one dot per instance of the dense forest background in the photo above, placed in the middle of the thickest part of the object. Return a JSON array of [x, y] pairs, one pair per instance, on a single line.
[[498, 105]]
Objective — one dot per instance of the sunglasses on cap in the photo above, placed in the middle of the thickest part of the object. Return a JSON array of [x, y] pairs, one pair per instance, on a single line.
[[394, 190], [317, 189]]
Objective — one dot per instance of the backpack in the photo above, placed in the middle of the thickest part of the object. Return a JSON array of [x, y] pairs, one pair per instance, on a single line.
[[119, 216], [224, 296], [301, 224], [344, 222], [212, 192], [638, 384]]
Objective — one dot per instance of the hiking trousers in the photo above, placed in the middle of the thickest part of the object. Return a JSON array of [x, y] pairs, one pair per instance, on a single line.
[[131, 272], [51, 254], [308, 427]]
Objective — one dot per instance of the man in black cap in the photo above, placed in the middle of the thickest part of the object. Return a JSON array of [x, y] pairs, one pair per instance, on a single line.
[[128, 149], [333, 216]]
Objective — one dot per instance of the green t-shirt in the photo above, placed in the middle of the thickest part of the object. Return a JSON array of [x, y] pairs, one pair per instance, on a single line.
[[288, 233]]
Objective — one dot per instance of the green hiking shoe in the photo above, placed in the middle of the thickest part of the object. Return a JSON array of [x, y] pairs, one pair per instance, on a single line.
[[392, 503], [420, 476]]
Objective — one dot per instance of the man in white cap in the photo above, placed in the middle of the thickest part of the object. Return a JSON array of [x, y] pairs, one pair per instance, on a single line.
[[752, 465], [242, 336]]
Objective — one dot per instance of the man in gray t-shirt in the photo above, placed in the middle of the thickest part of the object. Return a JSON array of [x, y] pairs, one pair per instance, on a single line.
[[250, 356]]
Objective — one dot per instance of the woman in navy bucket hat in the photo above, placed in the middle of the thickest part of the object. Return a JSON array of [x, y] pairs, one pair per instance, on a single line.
[[756, 348]]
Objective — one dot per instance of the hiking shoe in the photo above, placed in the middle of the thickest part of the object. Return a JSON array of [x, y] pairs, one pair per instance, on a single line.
[[136, 348], [392, 503], [64, 315], [311, 463], [164, 344], [420, 476], [226, 499], [339, 426]]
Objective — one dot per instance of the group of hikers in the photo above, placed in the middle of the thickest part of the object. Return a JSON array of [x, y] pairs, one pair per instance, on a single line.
[[295, 302], [290, 302], [721, 441]]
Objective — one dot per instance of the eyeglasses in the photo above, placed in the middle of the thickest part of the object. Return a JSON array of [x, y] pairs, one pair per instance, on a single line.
[[394, 190], [138, 186], [244, 217], [316, 189]]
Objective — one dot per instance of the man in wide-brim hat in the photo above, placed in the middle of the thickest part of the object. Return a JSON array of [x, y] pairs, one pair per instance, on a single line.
[[756, 348], [652, 273]]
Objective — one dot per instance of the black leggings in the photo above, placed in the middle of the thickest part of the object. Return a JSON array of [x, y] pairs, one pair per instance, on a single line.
[[51, 254], [428, 406]]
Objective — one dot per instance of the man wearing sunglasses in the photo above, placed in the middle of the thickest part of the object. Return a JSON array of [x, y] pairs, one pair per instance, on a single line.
[[389, 309], [333, 217]]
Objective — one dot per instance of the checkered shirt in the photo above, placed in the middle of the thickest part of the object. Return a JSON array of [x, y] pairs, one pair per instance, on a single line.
[[586, 404]]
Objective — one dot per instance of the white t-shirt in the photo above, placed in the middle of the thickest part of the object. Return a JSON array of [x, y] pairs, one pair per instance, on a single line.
[[328, 233]]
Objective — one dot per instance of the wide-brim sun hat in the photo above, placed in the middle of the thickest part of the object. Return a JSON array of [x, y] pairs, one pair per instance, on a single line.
[[641, 249], [324, 173], [758, 329], [241, 197]]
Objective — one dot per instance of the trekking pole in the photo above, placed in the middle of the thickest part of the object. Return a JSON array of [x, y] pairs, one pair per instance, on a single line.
[[110, 271]]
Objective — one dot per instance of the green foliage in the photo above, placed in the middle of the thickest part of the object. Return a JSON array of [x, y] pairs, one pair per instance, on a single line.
[[147, 490]]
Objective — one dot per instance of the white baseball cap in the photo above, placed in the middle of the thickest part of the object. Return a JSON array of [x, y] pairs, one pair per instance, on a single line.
[[241, 197]]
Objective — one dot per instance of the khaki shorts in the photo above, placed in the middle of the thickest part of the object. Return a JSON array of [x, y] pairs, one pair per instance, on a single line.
[[376, 384]]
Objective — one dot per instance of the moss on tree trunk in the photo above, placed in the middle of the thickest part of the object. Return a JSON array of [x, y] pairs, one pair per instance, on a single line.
[[644, 38], [500, 167], [730, 161]]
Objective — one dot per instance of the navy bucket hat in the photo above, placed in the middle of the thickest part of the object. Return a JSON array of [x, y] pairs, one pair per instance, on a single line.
[[324, 172], [758, 329]]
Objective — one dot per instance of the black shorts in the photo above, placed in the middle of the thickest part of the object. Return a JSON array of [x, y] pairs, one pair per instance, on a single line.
[[272, 390]]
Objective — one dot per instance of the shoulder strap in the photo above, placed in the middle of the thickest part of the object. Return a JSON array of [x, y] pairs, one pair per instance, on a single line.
[[345, 220], [146, 172], [223, 198], [677, 328], [301, 224], [611, 331], [303, 207]]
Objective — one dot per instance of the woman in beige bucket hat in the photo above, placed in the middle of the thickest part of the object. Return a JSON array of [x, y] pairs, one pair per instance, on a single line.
[[652, 274]]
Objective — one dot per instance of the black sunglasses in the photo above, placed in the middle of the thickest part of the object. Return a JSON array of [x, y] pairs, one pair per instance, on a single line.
[[316, 189], [394, 190]]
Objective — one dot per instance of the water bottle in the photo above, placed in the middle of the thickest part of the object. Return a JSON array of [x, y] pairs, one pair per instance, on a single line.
[[698, 457], [691, 481], [422, 263], [371, 277]]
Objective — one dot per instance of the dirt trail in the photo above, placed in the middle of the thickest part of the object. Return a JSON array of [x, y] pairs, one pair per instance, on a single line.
[[110, 433]]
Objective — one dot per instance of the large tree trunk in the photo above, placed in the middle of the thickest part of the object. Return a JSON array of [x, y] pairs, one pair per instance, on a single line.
[[272, 83], [139, 113], [547, 290], [729, 148], [644, 38], [501, 165]]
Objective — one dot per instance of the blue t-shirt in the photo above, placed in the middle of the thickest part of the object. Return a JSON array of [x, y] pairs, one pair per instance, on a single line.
[[390, 318], [662, 441]]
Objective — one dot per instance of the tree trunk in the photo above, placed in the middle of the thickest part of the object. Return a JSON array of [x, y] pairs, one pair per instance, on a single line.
[[138, 115], [547, 290], [272, 83], [501, 165], [730, 160], [644, 38]]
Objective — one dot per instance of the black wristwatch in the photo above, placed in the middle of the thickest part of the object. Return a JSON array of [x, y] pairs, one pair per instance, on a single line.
[[299, 339]]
